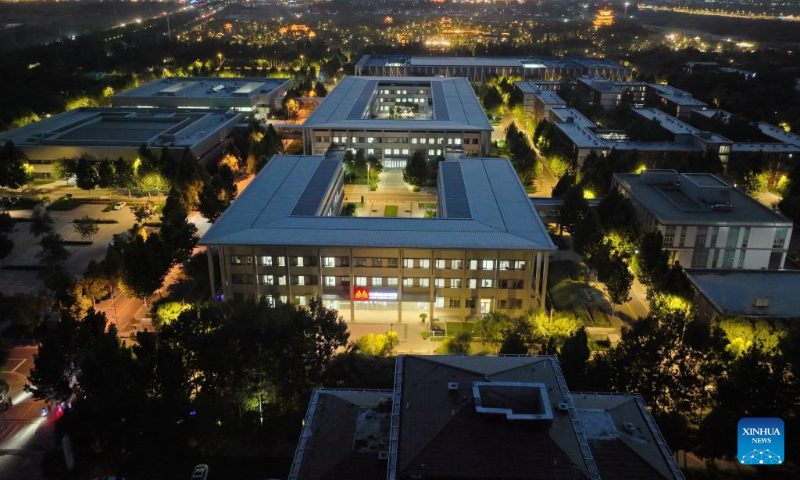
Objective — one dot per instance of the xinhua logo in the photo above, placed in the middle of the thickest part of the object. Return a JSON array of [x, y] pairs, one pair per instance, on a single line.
[[761, 441]]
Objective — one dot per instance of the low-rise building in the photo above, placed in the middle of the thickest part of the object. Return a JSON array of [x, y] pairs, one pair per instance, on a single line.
[[538, 102], [705, 222], [282, 241], [392, 117], [481, 69], [479, 417], [247, 95], [749, 294], [118, 133]]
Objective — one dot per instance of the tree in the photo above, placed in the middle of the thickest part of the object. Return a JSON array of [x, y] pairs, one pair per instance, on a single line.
[[86, 176], [15, 171], [380, 345], [492, 99], [652, 259], [360, 165], [574, 359], [179, 234], [107, 174], [126, 174], [587, 234], [145, 264], [491, 326], [320, 90], [375, 165], [217, 194], [41, 222], [30, 310], [348, 210], [563, 185], [53, 253], [573, 208], [458, 345], [143, 211], [513, 344], [617, 278], [6, 246], [85, 227], [416, 170], [6, 227], [64, 169]]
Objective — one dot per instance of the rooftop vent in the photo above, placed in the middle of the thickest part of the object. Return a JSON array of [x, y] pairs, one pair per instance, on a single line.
[[722, 207], [761, 302], [629, 427], [452, 386], [659, 177], [562, 406]]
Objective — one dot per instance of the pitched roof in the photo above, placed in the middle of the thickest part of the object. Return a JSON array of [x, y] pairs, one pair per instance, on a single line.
[[494, 211], [443, 436], [454, 105]]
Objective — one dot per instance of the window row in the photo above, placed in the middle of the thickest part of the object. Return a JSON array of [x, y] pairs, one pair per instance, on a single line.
[[509, 304], [334, 281], [423, 263], [403, 92]]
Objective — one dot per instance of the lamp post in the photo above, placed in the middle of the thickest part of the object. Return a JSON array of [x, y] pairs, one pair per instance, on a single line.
[[627, 4]]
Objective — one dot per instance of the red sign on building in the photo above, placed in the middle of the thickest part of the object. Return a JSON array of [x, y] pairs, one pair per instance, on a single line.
[[360, 294]]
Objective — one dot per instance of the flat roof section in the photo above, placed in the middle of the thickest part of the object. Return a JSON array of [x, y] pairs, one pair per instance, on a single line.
[[667, 122], [569, 114], [779, 134], [273, 210], [734, 292], [581, 136], [124, 126], [588, 63], [671, 205], [683, 100], [206, 87], [454, 105]]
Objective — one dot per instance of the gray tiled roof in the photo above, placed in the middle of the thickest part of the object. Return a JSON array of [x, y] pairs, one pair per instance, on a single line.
[[734, 292], [499, 214]]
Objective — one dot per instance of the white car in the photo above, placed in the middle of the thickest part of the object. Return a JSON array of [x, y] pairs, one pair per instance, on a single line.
[[200, 472], [119, 205]]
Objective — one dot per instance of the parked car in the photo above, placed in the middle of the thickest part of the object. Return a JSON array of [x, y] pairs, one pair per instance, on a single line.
[[119, 205], [200, 472]]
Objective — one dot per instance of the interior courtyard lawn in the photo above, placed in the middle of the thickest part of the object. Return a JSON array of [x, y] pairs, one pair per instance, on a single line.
[[390, 211], [565, 289]]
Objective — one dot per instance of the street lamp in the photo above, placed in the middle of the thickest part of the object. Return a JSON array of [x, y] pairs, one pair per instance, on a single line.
[[627, 4]]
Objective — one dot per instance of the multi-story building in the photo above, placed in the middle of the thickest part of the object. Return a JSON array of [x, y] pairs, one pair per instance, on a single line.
[[282, 241], [481, 69], [391, 118], [537, 101], [594, 90], [254, 95], [479, 418], [118, 133], [705, 222], [678, 103]]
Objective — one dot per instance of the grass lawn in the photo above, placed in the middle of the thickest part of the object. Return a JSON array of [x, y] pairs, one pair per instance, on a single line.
[[565, 292], [454, 328], [390, 211], [63, 204]]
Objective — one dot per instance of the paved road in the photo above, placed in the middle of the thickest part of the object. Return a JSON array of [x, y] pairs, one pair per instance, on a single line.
[[25, 434]]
